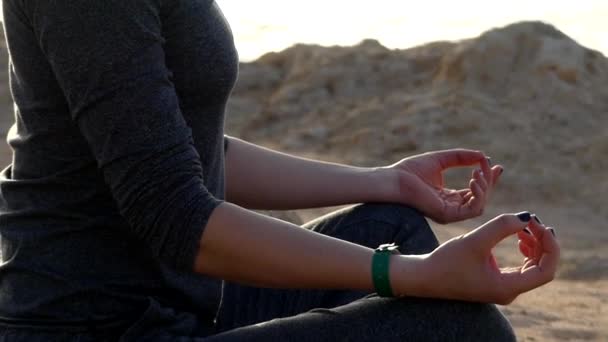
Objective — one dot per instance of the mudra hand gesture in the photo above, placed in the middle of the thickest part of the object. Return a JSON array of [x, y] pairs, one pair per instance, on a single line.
[[464, 268], [420, 184]]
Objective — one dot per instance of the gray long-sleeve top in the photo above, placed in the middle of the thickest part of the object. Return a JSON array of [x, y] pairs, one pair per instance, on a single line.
[[118, 155]]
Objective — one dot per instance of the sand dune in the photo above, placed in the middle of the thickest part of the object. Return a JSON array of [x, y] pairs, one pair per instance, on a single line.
[[526, 94]]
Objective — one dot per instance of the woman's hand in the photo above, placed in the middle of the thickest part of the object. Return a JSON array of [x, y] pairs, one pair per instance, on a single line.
[[464, 268], [421, 185]]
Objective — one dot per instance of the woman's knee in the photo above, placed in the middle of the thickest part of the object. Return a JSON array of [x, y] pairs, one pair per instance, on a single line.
[[421, 319], [371, 224], [474, 322], [489, 324], [412, 232], [471, 321], [389, 212]]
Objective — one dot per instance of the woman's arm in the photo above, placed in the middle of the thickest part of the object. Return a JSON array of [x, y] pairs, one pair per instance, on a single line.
[[260, 178], [246, 247]]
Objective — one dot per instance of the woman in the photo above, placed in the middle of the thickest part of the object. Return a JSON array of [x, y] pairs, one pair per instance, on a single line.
[[125, 203]]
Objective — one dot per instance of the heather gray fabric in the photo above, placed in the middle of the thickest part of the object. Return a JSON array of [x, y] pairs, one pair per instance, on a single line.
[[118, 157]]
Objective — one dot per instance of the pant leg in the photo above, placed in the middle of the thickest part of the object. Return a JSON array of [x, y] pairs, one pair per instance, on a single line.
[[367, 224], [383, 319], [39, 332]]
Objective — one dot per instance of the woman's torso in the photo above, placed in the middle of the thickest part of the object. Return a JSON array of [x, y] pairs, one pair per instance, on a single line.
[[66, 254]]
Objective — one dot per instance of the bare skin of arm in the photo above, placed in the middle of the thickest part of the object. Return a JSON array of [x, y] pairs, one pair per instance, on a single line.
[[246, 247], [260, 178]]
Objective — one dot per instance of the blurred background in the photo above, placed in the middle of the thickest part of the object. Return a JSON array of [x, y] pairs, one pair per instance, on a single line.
[[273, 25], [371, 82]]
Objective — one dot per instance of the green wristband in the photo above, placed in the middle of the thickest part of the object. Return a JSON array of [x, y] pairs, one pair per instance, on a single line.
[[380, 269]]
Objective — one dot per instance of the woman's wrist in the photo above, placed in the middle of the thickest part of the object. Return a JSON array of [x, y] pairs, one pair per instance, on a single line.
[[385, 182], [407, 275]]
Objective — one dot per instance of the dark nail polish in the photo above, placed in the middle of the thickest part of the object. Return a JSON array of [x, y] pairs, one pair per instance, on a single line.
[[537, 219], [524, 216], [489, 160], [552, 231], [502, 170], [527, 231]]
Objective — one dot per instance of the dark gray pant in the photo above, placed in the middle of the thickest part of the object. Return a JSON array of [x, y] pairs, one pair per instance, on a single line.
[[254, 314]]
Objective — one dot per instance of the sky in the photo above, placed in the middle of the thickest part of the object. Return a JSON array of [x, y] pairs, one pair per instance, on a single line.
[[261, 26]]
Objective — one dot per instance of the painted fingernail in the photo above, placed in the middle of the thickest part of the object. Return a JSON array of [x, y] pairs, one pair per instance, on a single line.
[[524, 216], [501, 170], [527, 231], [489, 160], [537, 219], [552, 232]]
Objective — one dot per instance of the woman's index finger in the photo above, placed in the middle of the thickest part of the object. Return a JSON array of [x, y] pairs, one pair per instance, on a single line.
[[459, 157]]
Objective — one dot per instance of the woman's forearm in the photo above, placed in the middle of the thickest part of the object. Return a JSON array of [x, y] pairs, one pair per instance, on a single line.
[[245, 247], [259, 178], [242, 246]]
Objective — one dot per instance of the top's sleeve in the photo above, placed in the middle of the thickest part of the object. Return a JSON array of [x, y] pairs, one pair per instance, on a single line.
[[108, 59]]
